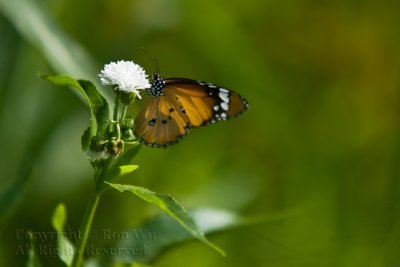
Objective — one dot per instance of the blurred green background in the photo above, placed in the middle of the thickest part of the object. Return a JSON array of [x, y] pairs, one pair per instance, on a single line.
[[321, 135]]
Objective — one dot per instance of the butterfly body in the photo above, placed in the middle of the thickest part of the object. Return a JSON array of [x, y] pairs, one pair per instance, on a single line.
[[177, 104]]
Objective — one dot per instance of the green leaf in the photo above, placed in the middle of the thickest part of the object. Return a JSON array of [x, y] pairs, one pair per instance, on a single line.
[[33, 260], [97, 103], [124, 160], [172, 208], [59, 217], [86, 138], [127, 157], [65, 248], [120, 170], [162, 232]]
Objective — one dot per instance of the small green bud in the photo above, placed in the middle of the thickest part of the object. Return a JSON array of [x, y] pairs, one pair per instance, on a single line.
[[127, 123], [126, 129], [97, 144], [115, 147], [127, 135], [126, 97], [98, 149]]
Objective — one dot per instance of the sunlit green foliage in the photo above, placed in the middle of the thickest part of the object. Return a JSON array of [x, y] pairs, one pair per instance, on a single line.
[[321, 134]]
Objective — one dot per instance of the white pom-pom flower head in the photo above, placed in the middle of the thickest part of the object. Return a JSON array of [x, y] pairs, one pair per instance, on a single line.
[[126, 76]]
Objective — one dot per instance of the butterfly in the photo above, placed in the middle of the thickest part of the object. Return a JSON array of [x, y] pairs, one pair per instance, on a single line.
[[176, 105]]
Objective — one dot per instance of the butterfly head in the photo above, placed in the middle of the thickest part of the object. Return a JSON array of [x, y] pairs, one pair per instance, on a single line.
[[157, 86]]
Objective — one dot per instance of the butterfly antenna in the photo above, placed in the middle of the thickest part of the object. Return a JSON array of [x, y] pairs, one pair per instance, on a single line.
[[154, 61]]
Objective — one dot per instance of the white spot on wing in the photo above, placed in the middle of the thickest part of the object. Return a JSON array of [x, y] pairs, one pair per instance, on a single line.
[[224, 106], [216, 107], [224, 96], [223, 90]]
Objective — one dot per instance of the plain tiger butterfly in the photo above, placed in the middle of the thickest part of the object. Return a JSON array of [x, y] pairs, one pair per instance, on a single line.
[[176, 105]]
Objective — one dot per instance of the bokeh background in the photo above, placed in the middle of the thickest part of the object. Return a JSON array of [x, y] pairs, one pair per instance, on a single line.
[[321, 135]]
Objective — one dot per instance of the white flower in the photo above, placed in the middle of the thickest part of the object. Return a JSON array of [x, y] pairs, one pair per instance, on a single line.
[[126, 75]]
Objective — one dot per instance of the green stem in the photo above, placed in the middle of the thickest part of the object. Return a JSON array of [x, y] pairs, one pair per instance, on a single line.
[[115, 116], [116, 107], [85, 229], [124, 112]]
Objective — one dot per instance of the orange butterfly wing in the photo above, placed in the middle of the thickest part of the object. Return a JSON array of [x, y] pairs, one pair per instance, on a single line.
[[206, 103], [160, 123], [184, 103]]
